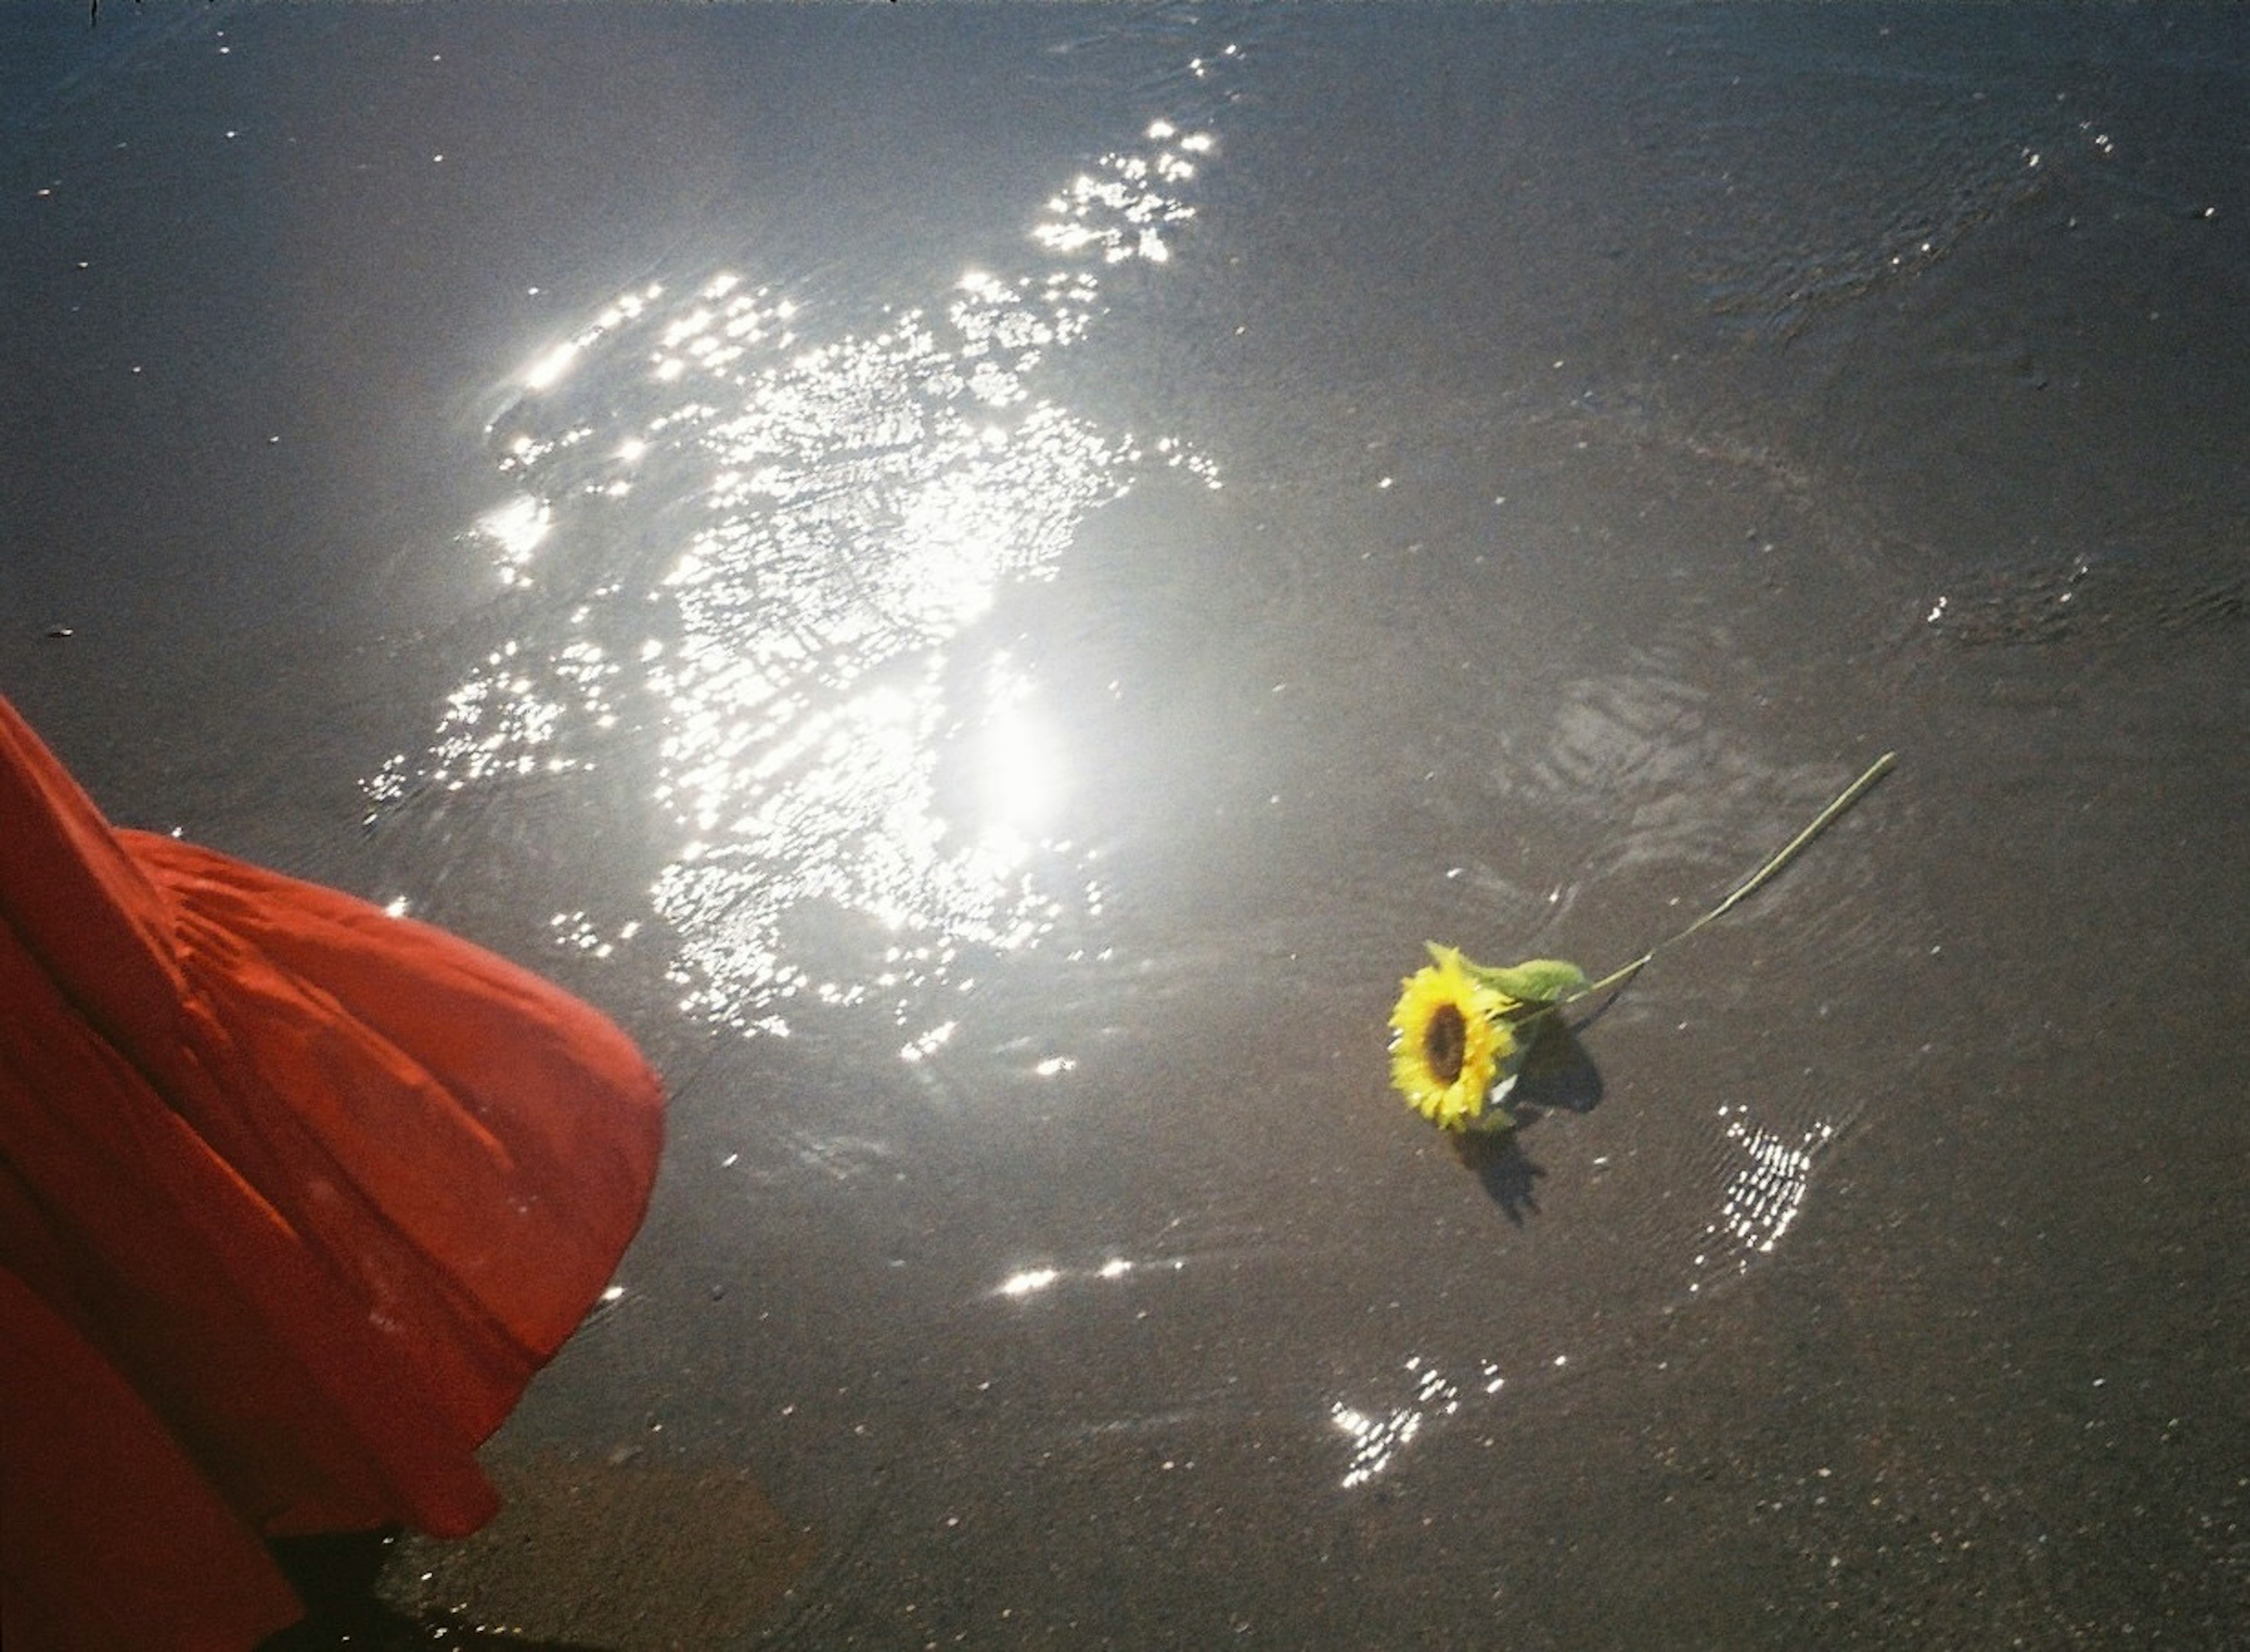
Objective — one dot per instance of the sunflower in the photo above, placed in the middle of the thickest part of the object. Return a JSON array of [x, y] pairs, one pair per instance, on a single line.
[[1449, 1041]]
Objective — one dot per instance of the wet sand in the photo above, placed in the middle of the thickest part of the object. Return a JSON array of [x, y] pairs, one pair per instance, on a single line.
[[1059, 546]]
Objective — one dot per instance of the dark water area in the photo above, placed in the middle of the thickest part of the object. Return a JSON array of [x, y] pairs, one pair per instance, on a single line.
[[984, 577]]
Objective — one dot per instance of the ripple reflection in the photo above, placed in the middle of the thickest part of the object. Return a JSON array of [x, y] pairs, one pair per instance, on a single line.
[[753, 554]]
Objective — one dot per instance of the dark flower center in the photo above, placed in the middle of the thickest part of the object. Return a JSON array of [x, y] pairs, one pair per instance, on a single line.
[[1446, 1042]]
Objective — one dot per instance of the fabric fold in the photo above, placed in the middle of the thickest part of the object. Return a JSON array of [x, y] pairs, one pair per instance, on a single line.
[[315, 1189]]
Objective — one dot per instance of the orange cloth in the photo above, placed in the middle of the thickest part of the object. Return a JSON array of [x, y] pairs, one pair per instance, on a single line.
[[296, 1196]]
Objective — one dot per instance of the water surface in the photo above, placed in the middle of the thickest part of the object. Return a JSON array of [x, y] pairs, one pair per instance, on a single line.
[[984, 579]]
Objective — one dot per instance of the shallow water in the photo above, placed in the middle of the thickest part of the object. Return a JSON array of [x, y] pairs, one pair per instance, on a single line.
[[984, 579]]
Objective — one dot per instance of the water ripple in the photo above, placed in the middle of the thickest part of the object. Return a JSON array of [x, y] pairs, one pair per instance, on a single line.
[[750, 549]]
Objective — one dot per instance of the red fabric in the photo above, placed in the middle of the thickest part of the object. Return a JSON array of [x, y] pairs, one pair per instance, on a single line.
[[296, 1196]]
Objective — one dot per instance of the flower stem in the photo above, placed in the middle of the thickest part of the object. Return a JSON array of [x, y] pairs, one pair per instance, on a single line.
[[1826, 817]]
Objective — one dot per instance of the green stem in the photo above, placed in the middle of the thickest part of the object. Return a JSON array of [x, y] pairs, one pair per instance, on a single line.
[[1844, 799]]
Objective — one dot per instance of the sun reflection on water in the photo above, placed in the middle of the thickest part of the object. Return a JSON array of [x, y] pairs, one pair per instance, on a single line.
[[1757, 1208], [757, 551], [1031, 1282], [1375, 1438], [1765, 1196]]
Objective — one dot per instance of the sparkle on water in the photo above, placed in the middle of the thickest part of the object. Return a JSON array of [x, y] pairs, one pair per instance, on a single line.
[[830, 512]]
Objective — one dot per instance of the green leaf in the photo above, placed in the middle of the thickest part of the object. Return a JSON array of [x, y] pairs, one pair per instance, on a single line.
[[1535, 981], [1495, 1120]]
